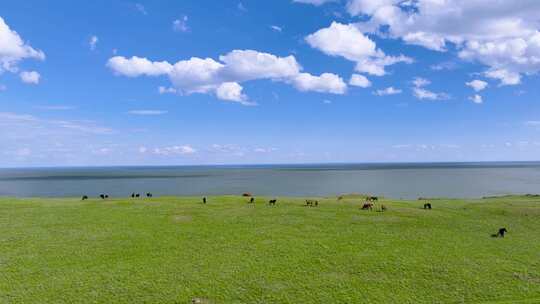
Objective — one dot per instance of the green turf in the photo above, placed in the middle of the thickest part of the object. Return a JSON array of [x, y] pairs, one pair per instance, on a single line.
[[172, 250]]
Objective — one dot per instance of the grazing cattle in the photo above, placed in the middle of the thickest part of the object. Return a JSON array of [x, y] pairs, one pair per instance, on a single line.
[[272, 202], [246, 194], [427, 206], [252, 200], [312, 203], [501, 233], [204, 200], [383, 208], [372, 198], [85, 197], [106, 196], [137, 195], [102, 196], [367, 206], [148, 194], [133, 195]]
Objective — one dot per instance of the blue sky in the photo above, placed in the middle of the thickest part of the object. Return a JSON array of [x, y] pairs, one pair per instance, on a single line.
[[242, 82]]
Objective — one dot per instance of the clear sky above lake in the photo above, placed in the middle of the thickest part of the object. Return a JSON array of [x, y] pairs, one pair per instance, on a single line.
[[228, 82]]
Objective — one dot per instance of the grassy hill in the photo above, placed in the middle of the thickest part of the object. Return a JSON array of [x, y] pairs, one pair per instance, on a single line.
[[173, 250]]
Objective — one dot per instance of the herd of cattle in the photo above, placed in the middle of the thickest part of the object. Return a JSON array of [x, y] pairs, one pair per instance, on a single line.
[[368, 204]]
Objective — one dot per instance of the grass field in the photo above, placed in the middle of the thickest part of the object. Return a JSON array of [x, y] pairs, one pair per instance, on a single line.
[[173, 250]]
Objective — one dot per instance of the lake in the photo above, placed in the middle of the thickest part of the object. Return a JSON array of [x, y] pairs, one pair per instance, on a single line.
[[395, 180]]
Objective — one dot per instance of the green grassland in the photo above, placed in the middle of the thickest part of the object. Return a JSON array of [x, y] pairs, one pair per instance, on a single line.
[[174, 250]]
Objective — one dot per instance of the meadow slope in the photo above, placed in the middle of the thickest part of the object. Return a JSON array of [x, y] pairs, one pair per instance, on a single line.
[[175, 249]]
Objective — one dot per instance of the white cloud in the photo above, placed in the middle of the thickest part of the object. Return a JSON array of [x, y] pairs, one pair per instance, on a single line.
[[165, 90], [533, 123], [232, 91], [30, 77], [476, 99], [136, 66], [420, 82], [197, 75], [387, 91], [13, 49], [180, 25], [359, 81], [139, 7], [276, 28], [325, 83], [241, 7], [347, 41], [314, 2], [147, 112], [174, 150], [504, 37], [506, 77], [447, 65], [421, 93], [326, 101], [477, 85], [250, 65], [29, 121], [93, 42]]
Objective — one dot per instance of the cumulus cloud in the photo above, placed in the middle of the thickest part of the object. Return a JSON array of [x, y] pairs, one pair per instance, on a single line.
[[421, 93], [136, 66], [325, 83], [93, 42], [477, 85], [180, 25], [13, 49], [232, 91], [476, 99], [314, 2], [347, 41], [30, 77], [223, 77], [504, 37], [174, 150], [358, 80], [387, 91]]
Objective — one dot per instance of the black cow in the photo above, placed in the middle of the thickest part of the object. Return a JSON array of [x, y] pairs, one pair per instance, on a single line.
[[251, 200], [85, 197], [501, 233], [148, 194], [137, 195], [102, 196], [372, 198], [272, 202], [312, 203], [106, 196], [204, 200], [133, 195], [427, 206]]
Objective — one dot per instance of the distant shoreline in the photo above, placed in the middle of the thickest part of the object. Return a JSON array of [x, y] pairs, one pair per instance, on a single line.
[[265, 165]]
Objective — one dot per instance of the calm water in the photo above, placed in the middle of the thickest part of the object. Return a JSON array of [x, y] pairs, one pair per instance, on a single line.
[[391, 180]]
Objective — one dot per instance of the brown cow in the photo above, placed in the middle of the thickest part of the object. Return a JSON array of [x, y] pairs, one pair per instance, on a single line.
[[367, 206]]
